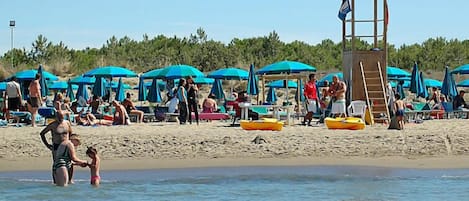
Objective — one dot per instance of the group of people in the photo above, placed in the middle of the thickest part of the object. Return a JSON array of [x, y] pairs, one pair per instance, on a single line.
[[64, 157]]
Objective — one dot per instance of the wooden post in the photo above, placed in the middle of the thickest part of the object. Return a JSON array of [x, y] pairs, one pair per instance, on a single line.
[[375, 26], [353, 25]]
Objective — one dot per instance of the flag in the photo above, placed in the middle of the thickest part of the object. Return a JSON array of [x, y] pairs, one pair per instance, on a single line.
[[386, 13], [344, 9]]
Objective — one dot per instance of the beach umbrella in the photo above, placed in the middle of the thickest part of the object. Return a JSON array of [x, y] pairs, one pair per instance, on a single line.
[[42, 82], [98, 87], [83, 80], [415, 84], [203, 80], [154, 94], [229, 74], [31, 74], [286, 67], [110, 71], [152, 74], [281, 84], [423, 91], [217, 89], [120, 93], [400, 78], [60, 85], [448, 87], [176, 72], [395, 72], [464, 69], [300, 92], [433, 83], [82, 91], [464, 83], [252, 88], [147, 85], [400, 90], [69, 93], [3, 86], [114, 85], [329, 77], [406, 84], [142, 90], [271, 96]]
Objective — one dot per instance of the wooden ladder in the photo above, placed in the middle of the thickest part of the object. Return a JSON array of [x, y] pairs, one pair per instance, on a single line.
[[375, 92]]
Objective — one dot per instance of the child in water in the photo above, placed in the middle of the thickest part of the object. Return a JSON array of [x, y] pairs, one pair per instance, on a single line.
[[94, 165]]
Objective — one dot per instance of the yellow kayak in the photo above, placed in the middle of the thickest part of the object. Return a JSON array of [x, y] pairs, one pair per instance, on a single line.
[[264, 124], [351, 123]]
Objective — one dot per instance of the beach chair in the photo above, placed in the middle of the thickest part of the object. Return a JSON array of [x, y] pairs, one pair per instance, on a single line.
[[357, 108]]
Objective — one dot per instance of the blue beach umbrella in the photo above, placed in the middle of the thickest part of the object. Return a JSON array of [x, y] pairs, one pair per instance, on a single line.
[[82, 91], [147, 85], [433, 83], [405, 85], [286, 67], [281, 84], [142, 90], [3, 86], [70, 93], [154, 94], [301, 92], [449, 87], [252, 88], [152, 74], [98, 88], [203, 80], [217, 89], [42, 82], [415, 84], [395, 72], [31, 74], [110, 71], [329, 77], [400, 90], [464, 69], [464, 83], [271, 96], [61, 85], [83, 80], [120, 93], [176, 72], [423, 91], [229, 74]]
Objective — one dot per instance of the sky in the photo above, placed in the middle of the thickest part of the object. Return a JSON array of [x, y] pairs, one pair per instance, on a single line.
[[89, 23]]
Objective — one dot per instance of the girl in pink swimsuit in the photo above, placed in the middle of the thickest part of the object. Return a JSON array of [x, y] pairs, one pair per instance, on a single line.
[[94, 165]]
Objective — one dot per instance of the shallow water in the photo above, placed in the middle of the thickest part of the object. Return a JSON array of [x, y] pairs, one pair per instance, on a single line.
[[246, 183]]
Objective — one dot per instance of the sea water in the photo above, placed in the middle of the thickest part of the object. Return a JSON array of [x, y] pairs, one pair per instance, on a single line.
[[246, 183]]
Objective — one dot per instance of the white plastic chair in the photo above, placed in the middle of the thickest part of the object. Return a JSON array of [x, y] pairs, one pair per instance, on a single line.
[[357, 109]]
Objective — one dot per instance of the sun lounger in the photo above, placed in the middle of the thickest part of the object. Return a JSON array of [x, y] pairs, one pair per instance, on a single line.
[[212, 116]]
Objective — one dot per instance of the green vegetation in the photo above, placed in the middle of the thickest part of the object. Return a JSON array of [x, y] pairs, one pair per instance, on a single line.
[[208, 55]]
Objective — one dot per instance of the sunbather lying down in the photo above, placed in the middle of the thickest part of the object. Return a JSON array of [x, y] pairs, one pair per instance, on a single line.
[[88, 119]]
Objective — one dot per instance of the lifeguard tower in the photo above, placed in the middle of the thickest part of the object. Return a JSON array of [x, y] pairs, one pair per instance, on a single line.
[[364, 70]]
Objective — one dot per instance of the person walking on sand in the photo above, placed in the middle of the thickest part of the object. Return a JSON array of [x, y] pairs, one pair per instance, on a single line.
[[13, 97], [337, 92], [311, 94], [35, 98], [182, 96], [399, 106], [94, 166]]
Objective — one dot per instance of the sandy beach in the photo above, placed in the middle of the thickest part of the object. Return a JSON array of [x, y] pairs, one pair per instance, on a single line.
[[433, 144]]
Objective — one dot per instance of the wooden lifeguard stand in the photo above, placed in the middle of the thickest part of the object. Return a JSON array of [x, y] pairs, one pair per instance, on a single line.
[[365, 70]]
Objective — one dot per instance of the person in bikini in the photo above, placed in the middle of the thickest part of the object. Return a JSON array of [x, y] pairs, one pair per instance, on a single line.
[[399, 106], [94, 165], [131, 109]]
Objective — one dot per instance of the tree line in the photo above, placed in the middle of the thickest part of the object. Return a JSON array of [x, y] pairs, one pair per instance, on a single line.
[[207, 55]]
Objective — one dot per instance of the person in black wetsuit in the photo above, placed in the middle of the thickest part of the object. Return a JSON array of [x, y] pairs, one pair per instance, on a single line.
[[193, 105]]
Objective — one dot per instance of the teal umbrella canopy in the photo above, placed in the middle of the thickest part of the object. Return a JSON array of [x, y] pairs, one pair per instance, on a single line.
[[464, 83], [42, 81], [281, 84], [142, 90], [70, 93], [176, 72], [217, 89], [152, 74], [271, 96], [3, 86], [286, 67], [229, 74], [154, 94], [448, 87], [110, 71], [31, 74], [464, 69], [120, 93], [415, 83], [432, 83], [99, 87], [400, 90], [397, 72], [424, 91], [203, 80], [83, 80], [147, 85], [61, 85], [82, 91], [329, 77], [252, 88]]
